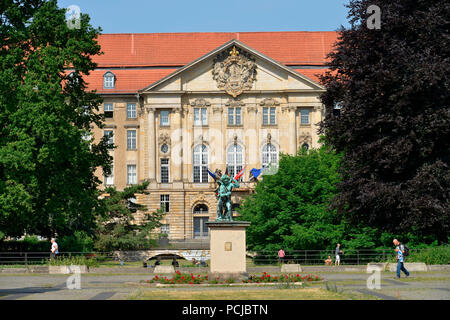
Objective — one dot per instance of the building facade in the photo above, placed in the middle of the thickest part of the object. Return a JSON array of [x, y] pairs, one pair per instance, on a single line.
[[205, 101]]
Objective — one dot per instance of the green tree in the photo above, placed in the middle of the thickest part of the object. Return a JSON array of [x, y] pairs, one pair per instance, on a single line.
[[290, 209], [393, 88], [47, 181], [117, 228]]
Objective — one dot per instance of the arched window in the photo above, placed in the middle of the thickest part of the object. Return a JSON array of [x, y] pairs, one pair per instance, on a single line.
[[199, 223], [201, 164], [234, 159], [201, 209], [109, 80], [305, 146], [269, 154]]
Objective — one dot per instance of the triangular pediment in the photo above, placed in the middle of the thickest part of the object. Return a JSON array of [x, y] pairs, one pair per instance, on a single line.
[[233, 68]]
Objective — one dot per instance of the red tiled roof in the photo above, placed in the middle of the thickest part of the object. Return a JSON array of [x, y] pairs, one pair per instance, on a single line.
[[178, 49], [127, 80], [313, 74]]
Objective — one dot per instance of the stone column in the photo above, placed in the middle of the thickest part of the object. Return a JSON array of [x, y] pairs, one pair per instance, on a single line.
[[218, 138], [292, 130], [152, 145], [252, 138], [187, 139], [176, 148]]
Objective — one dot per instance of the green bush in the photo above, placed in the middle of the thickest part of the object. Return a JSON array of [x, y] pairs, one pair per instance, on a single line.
[[73, 260], [78, 242], [28, 244], [436, 255]]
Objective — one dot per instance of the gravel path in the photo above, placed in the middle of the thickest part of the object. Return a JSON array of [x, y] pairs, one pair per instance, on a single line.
[[421, 285]]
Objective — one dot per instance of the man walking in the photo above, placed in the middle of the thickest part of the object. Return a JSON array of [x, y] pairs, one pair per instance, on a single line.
[[400, 249], [281, 255], [54, 249], [337, 253]]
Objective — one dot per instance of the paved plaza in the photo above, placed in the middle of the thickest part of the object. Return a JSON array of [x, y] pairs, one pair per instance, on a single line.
[[352, 285]]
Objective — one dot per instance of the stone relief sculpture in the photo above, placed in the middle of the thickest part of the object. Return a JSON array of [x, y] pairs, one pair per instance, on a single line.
[[234, 73]]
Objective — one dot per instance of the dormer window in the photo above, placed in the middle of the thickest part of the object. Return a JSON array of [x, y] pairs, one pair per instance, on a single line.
[[109, 80]]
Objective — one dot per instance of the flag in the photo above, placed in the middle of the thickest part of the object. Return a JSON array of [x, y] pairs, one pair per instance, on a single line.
[[213, 175], [239, 174], [257, 172]]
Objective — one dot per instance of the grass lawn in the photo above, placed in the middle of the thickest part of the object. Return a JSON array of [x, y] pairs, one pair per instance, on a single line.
[[239, 294]]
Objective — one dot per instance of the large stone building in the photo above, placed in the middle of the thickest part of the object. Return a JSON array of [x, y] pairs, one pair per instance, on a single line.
[[179, 104]]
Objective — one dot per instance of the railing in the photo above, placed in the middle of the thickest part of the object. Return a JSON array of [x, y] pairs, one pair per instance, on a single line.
[[42, 258], [303, 257], [318, 257]]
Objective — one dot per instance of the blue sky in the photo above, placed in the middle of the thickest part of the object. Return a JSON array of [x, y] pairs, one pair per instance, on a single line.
[[151, 16]]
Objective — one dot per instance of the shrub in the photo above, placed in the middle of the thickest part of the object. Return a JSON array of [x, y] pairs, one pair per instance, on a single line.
[[436, 255]]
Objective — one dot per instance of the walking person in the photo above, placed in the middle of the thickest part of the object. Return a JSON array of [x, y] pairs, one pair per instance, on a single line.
[[281, 255], [54, 249], [337, 253], [400, 249]]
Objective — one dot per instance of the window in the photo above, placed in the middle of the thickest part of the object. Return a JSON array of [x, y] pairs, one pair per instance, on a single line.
[[165, 200], [131, 140], [164, 148], [131, 174], [164, 170], [234, 159], [337, 109], [165, 229], [110, 135], [200, 116], [269, 154], [164, 118], [72, 79], [305, 146], [131, 110], [201, 209], [201, 164], [109, 80], [234, 116], [86, 136], [108, 110], [200, 227], [269, 116], [304, 116], [109, 180]]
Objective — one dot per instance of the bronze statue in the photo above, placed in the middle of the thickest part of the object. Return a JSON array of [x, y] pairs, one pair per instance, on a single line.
[[226, 185]]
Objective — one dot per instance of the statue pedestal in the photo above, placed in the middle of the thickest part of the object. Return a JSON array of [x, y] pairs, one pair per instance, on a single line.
[[227, 248]]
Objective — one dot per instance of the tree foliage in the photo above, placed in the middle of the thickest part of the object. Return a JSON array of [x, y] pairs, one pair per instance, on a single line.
[[393, 128], [290, 209], [117, 228], [47, 181]]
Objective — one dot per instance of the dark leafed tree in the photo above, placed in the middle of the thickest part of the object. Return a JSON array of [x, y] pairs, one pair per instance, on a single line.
[[393, 127], [118, 229], [47, 164]]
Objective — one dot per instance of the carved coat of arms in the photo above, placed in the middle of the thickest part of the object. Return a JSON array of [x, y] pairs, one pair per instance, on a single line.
[[235, 73]]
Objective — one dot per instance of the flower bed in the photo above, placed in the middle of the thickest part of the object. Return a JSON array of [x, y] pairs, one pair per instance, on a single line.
[[267, 278], [180, 278]]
